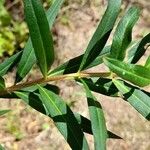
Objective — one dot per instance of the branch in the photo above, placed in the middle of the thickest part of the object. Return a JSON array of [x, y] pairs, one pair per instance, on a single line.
[[56, 78]]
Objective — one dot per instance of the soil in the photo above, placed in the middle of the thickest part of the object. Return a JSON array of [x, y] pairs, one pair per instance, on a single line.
[[27, 129]]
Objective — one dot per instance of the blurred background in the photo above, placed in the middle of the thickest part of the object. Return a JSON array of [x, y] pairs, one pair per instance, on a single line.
[[26, 129]]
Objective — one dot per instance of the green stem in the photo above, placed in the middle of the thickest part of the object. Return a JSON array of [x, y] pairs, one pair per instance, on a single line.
[[50, 79]]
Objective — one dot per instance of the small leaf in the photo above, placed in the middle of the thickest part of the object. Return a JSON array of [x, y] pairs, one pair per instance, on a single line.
[[40, 34], [102, 85], [72, 66], [2, 84], [123, 34], [102, 33], [97, 119], [9, 63], [64, 119], [28, 58], [147, 64], [138, 50], [136, 74], [3, 112], [139, 99]]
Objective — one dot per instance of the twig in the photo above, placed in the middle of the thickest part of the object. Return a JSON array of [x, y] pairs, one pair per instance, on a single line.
[[56, 78]]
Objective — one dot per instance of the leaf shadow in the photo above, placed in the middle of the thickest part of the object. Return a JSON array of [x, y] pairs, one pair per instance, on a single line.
[[97, 48], [130, 93], [69, 120]]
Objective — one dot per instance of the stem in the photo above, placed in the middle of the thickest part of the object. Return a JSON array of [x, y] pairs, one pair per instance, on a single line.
[[49, 79]]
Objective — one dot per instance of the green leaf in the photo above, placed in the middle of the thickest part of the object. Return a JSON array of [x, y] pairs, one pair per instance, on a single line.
[[9, 63], [102, 33], [102, 85], [1, 147], [123, 34], [2, 84], [97, 119], [64, 119], [136, 74], [139, 99], [86, 126], [28, 58], [72, 66], [3, 112], [40, 34], [26, 62], [147, 64], [138, 50], [31, 97]]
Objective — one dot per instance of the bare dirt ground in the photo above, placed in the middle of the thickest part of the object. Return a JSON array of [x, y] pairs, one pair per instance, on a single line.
[[26, 129]]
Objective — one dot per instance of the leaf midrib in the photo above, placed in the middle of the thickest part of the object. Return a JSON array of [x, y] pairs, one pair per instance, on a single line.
[[59, 113], [26, 61], [128, 72], [45, 65], [132, 94], [102, 34], [97, 109], [127, 28]]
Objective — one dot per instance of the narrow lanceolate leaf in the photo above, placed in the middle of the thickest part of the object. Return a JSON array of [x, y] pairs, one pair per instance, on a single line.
[[139, 99], [147, 64], [27, 61], [97, 119], [102, 85], [138, 50], [40, 34], [31, 97], [64, 119], [102, 33], [136, 74], [123, 34], [87, 127], [2, 83], [28, 58], [3, 112], [72, 66], [9, 63]]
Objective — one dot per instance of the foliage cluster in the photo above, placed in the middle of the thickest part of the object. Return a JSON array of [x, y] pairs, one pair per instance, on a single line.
[[125, 78]]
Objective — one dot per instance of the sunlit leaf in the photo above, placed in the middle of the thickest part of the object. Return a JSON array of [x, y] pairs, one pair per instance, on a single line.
[[123, 34], [139, 99], [147, 64], [72, 66], [101, 34], [40, 34], [138, 50], [9, 63], [64, 119], [136, 74], [31, 97], [97, 120], [28, 58]]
